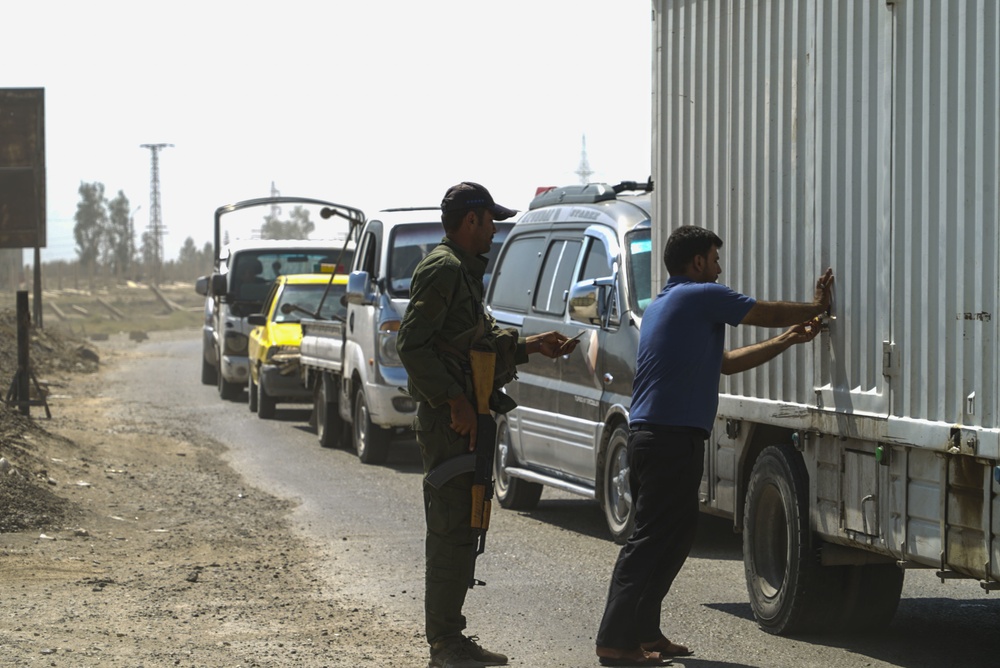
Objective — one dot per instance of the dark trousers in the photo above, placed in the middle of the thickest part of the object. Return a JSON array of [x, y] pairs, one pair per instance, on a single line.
[[665, 468], [451, 542]]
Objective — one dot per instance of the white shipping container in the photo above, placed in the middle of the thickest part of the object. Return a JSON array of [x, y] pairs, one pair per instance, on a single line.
[[860, 135]]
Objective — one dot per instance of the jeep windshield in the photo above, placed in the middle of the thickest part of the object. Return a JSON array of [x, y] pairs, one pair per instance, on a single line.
[[305, 298], [638, 254], [410, 243]]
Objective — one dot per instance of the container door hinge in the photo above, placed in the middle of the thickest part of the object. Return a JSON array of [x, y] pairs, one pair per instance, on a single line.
[[888, 353]]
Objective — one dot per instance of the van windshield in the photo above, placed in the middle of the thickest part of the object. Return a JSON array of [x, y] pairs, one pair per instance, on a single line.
[[253, 272], [410, 243], [638, 254]]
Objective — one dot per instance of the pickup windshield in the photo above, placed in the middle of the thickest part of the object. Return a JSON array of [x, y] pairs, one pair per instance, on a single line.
[[410, 243]]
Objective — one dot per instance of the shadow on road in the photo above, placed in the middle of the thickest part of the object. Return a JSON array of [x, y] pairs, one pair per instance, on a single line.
[[925, 633]]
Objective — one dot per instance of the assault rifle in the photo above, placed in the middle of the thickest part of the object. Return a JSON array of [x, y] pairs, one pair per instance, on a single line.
[[480, 462]]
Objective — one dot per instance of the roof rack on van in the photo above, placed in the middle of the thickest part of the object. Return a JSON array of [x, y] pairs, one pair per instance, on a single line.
[[587, 194]]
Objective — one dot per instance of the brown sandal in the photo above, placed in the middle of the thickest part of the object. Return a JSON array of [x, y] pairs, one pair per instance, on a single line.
[[635, 657], [664, 647]]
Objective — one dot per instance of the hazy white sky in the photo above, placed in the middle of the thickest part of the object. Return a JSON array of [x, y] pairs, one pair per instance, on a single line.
[[371, 103]]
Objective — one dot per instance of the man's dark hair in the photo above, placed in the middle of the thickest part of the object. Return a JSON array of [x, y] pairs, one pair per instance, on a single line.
[[453, 219], [685, 243]]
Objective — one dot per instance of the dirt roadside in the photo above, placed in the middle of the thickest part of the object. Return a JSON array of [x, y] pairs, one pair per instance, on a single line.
[[132, 543]]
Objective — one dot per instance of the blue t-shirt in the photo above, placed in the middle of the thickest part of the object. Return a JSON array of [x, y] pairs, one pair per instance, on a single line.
[[680, 353]]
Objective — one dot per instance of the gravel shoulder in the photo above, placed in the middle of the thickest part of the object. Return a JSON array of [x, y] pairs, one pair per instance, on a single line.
[[130, 542]]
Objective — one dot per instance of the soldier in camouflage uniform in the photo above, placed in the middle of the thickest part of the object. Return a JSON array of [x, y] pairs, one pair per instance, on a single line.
[[444, 320]]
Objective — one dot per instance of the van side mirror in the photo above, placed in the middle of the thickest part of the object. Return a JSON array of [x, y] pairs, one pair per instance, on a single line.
[[360, 289], [201, 286], [588, 301]]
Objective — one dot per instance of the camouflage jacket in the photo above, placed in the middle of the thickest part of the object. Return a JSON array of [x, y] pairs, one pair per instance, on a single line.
[[444, 320]]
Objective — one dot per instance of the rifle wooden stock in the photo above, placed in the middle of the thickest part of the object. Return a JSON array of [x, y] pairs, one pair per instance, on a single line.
[[483, 365]]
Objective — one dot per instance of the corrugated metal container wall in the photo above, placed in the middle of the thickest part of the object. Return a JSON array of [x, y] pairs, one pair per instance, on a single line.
[[945, 206], [854, 134]]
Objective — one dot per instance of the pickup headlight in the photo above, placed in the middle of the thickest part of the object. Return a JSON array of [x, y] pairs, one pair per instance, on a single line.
[[235, 344], [387, 333]]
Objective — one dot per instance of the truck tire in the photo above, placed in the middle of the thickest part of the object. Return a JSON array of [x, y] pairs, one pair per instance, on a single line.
[[619, 511], [251, 393], [329, 424], [208, 372], [266, 404], [511, 493], [872, 594], [371, 442], [790, 592]]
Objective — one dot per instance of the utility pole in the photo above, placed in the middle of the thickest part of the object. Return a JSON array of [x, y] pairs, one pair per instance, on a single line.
[[584, 171], [156, 228]]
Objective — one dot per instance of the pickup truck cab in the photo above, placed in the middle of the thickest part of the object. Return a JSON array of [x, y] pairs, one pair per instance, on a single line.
[[373, 397], [274, 345]]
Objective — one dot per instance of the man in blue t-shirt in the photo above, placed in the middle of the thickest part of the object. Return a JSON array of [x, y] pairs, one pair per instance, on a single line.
[[675, 396]]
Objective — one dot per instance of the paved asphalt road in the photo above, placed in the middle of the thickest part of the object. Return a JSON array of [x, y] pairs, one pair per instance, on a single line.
[[547, 570]]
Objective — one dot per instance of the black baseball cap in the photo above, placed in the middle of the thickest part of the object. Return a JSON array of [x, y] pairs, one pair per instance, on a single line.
[[469, 195]]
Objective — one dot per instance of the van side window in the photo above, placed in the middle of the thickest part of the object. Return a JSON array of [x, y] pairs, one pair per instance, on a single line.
[[557, 272], [596, 263], [515, 274]]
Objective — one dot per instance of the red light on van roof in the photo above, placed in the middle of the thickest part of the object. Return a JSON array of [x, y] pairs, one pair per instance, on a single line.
[[543, 189]]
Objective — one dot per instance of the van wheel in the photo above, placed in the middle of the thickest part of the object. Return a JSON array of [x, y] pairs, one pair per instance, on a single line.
[[511, 493], [790, 592], [371, 442], [619, 511], [329, 424], [252, 393], [266, 404]]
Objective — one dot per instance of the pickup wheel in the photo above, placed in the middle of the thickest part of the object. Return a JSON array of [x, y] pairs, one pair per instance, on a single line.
[[329, 424], [371, 442], [227, 391], [252, 393], [790, 591], [265, 403], [619, 511], [209, 374], [512, 493]]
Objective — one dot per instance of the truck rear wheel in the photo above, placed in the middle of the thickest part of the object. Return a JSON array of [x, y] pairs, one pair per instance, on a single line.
[[329, 424], [370, 441], [512, 493], [790, 592], [619, 511]]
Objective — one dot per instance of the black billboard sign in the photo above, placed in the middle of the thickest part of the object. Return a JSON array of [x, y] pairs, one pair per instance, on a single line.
[[22, 167]]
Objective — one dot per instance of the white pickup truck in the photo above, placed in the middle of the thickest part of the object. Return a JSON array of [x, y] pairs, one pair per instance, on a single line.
[[352, 367]]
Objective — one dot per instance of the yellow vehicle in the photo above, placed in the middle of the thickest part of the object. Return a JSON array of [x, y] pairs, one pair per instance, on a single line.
[[274, 341]]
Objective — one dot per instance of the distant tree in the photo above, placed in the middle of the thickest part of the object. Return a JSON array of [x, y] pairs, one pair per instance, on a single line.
[[91, 220], [118, 235], [299, 227], [148, 251], [189, 261]]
